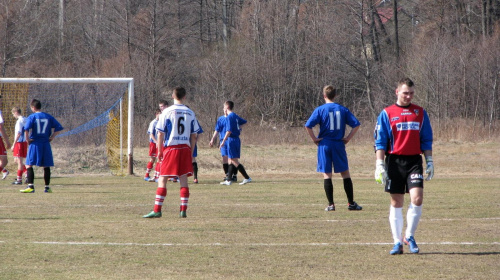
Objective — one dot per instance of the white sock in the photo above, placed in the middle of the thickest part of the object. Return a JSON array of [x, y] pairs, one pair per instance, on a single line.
[[396, 221], [412, 218]]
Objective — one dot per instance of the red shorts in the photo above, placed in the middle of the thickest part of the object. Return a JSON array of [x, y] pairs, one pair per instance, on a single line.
[[152, 149], [20, 149], [176, 161], [3, 151]]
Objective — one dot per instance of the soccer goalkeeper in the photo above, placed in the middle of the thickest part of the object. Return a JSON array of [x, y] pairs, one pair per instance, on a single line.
[[402, 133]]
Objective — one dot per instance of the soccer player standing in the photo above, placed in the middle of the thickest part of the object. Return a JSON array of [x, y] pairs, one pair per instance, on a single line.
[[220, 130], [195, 155], [333, 119], [3, 150], [39, 130], [177, 129], [402, 133], [20, 146], [152, 146], [232, 144]]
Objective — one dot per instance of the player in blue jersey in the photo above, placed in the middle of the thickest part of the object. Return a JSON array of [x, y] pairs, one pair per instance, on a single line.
[[39, 130], [232, 144], [332, 119], [220, 131], [403, 132], [195, 155]]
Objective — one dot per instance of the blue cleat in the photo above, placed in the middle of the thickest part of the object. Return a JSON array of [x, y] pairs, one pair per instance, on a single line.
[[397, 249], [146, 178], [410, 241]]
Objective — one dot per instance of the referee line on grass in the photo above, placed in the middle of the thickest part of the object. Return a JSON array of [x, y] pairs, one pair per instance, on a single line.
[[246, 244]]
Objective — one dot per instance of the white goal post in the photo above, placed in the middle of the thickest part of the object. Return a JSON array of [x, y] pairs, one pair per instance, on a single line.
[[130, 89]]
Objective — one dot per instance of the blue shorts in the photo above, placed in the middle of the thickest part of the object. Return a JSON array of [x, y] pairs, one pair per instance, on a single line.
[[233, 147], [223, 150], [40, 154], [332, 153]]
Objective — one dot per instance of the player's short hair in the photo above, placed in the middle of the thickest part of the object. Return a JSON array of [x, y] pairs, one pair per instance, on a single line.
[[229, 104], [406, 81], [16, 109], [179, 93], [330, 92], [35, 103], [157, 111], [163, 102]]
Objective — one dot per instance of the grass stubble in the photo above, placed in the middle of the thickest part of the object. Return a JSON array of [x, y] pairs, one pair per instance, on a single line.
[[272, 228]]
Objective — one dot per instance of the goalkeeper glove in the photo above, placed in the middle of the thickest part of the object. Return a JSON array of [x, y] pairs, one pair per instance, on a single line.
[[430, 168], [380, 172]]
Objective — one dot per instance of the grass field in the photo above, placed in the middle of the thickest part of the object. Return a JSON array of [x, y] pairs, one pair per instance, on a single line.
[[272, 228]]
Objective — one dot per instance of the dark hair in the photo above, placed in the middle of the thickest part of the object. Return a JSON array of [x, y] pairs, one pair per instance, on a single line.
[[406, 81], [163, 102], [157, 111], [179, 92], [36, 104], [230, 104]]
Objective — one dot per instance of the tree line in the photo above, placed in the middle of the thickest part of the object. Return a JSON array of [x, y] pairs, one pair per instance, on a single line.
[[271, 57]]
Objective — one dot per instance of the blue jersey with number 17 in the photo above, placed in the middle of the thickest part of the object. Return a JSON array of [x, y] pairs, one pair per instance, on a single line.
[[332, 119], [41, 125]]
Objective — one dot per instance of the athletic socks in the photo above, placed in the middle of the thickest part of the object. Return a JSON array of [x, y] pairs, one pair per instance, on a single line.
[[396, 221], [195, 170], [161, 193], [31, 176], [349, 190], [19, 175], [328, 185], [184, 194], [225, 166], [148, 169], [412, 219], [46, 175], [242, 170]]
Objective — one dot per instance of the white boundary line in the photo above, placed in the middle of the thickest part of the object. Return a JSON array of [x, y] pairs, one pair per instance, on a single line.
[[245, 244]]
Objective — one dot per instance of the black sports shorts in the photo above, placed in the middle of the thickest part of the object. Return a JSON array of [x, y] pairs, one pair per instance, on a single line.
[[404, 172]]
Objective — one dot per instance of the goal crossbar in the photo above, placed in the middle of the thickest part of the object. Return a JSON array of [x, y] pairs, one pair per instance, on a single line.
[[128, 81]]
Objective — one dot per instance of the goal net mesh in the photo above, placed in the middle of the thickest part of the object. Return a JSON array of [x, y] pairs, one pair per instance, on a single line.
[[94, 117]]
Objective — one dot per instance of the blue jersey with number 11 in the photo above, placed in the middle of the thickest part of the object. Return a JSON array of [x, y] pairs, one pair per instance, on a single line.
[[332, 119], [41, 125]]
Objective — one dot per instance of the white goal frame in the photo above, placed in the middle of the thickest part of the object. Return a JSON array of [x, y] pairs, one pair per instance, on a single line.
[[128, 81]]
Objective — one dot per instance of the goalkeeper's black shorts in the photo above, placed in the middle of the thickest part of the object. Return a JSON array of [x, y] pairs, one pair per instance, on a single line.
[[404, 172]]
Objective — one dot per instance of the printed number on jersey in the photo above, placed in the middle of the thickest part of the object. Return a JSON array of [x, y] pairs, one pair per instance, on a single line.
[[41, 125], [334, 121]]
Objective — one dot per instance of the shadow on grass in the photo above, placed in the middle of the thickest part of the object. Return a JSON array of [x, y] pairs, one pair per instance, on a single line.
[[462, 253]]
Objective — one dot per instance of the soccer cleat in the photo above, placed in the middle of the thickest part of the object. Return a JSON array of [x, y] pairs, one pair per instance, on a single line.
[[330, 208], [234, 179], [17, 183], [153, 214], [146, 178], [397, 249], [195, 181], [182, 214], [354, 206], [246, 181], [47, 190], [410, 241], [28, 190], [4, 174], [226, 182], [152, 179]]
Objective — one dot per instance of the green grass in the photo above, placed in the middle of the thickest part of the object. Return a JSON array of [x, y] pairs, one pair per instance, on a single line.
[[274, 227]]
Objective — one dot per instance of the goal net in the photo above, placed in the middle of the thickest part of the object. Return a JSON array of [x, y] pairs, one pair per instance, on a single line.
[[96, 114]]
